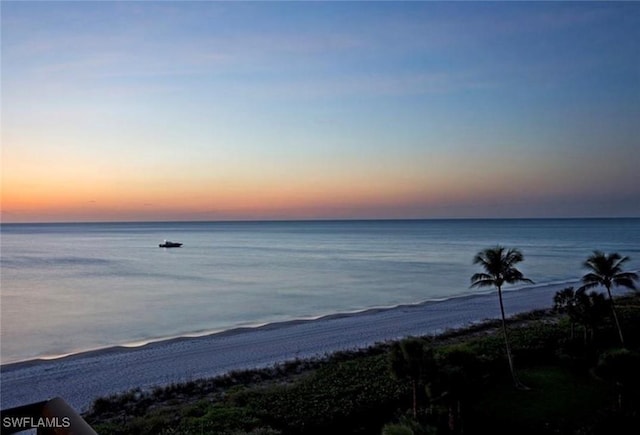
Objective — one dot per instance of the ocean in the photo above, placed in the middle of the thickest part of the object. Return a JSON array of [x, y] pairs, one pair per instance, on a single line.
[[68, 288]]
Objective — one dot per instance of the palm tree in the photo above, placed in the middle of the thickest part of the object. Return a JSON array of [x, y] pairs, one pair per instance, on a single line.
[[589, 310], [499, 268], [585, 309], [460, 378], [564, 301], [606, 271], [412, 359]]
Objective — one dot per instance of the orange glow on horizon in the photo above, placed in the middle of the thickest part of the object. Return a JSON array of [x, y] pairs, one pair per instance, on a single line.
[[160, 199], [88, 189]]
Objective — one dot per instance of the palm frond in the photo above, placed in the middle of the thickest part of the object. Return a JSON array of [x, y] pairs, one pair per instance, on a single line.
[[513, 275], [513, 256], [588, 285], [591, 278], [607, 269], [487, 282], [499, 267], [625, 281], [617, 262]]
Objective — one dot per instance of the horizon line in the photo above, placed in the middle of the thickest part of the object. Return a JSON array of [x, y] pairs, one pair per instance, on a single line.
[[315, 220]]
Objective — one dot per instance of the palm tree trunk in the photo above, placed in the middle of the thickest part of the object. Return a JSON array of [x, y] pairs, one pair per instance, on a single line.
[[452, 420], [516, 381], [615, 316], [573, 325], [415, 399]]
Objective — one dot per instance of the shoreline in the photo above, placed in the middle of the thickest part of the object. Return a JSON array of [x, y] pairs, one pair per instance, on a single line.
[[81, 378], [267, 325], [147, 344]]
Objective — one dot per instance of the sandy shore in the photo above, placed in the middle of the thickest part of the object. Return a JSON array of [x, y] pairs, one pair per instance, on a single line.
[[79, 379]]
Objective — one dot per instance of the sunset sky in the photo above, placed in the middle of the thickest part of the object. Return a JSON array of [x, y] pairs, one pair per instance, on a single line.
[[121, 111]]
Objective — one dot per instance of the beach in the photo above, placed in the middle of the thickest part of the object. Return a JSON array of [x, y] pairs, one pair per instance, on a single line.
[[80, 379], [71, 288]]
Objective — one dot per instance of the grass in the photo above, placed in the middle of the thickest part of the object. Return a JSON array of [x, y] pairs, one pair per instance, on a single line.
[[559, 398]]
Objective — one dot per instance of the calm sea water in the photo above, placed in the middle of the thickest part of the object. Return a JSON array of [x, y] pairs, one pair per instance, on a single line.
[[72, 287]]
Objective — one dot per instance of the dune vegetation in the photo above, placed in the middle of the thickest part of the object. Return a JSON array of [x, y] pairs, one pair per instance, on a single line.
[[574, 376]]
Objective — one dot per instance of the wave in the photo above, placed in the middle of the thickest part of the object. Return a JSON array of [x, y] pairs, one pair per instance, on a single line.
[[37, 262], [449, 303]]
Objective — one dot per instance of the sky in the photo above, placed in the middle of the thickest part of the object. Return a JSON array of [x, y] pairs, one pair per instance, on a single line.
[[159, 111]]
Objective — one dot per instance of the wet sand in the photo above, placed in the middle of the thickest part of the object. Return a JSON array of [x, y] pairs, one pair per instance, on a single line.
[[81, 378]]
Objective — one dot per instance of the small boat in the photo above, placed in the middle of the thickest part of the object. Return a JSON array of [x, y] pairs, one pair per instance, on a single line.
[[168, 244]]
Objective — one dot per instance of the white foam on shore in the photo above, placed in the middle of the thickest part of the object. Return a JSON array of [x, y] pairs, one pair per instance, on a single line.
[[241, 327], [81, 378], [244, 327]]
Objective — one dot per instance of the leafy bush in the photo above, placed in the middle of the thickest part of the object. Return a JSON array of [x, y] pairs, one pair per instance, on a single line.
[[351, 396], [353, 392]]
